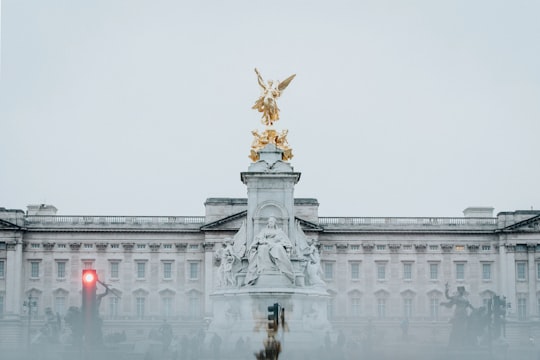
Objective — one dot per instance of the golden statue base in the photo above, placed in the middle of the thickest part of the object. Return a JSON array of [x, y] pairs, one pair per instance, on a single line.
[[270, 136]]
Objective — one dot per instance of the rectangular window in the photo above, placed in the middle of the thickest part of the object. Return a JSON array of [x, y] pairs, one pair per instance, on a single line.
[[355, 247], [167, 270], [355, 271], [433, 247], [88, 246], [521, 270], [381, 247], [328, 247], [2, 269], [193, 270], [61, 246], [486, 247], [167, 246], [194, 305], [381, 271], [433, 271], [34, 246], [88, 264], [141, 246], [381, 308], [60, 305], [115, 269], [538, 271], [407, 271], [355, 306], [166, 306], [141, 270], [115, 246], [460, 271], [1, 306], [522, 308], [407, 308], [61, 269], [329, 271], [434, 305], [330, 308], [460, 247], [34, 269], [113, 307], [140, 302], [194, 246], [407, 247], [486, 271]]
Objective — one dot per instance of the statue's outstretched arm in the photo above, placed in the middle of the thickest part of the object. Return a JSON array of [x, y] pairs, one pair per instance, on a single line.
[[260, 79]]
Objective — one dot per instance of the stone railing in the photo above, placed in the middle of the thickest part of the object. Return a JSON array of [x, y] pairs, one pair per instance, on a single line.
[[407, 222], [58, 221]]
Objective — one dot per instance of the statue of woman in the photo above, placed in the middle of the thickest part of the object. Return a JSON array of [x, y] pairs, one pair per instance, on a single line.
[[269, 251], [267, 102], [313, 268]]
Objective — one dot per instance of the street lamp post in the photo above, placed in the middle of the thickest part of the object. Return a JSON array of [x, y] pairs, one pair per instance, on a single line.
[[30, 305]]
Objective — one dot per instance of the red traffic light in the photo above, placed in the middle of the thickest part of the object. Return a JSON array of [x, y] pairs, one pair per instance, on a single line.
[[89, 277]]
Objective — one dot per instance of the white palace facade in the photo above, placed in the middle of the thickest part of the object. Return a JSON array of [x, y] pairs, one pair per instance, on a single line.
[[380, 269]]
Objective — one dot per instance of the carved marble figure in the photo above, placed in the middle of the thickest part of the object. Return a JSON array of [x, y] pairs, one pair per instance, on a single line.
[[313, 268], [269, 251]]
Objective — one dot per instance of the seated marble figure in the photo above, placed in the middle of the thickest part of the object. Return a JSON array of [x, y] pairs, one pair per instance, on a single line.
[[268, 252]]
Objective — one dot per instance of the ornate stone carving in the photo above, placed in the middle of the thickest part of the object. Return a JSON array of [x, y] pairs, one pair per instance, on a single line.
[[48, 245], [473, 247], [447, 247], [75, 246], [208, 246], [368, 247], [269, 252], [510, 248], [154, 246], [101, 246], [181, 246], [341, 247], [420, 247], [128, 246], [394, 247]]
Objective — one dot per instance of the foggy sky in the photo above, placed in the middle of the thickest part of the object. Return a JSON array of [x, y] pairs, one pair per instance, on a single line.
[[399, 108]]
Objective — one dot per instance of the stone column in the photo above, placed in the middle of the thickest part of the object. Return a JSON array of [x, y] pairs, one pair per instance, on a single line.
[[511, 278], [208, 276], [532, 306], [14, 271]]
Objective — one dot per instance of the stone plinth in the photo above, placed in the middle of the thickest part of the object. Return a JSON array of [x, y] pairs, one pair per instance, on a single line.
[[242, 313]]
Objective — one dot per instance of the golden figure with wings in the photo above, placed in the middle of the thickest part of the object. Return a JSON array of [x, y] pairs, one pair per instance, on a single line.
[[266, 103]]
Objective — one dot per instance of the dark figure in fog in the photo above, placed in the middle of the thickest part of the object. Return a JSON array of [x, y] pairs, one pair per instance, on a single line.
[[73, 320], [458, 334], [215, 345], [165, 334], [404, 328], [184, 347]]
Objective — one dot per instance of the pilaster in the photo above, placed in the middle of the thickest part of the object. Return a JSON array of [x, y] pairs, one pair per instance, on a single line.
[[14, 271]]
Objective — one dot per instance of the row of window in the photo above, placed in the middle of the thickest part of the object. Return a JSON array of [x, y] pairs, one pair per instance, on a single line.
[[407, 272], [114, 269], [115, 246], [382, 247]]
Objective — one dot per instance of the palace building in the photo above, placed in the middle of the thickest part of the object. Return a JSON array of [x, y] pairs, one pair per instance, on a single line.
[[376, 270], [379, 269]]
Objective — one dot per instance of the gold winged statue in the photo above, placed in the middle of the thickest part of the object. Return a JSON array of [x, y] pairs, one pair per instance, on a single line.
[[266, 103]]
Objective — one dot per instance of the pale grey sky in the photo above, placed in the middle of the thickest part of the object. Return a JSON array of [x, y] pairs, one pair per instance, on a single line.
[[399, 108]]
